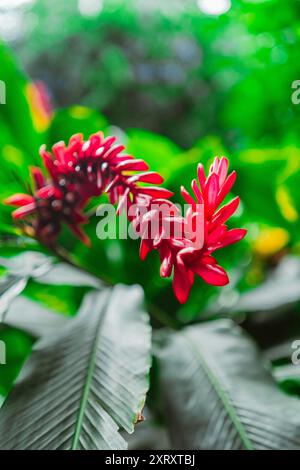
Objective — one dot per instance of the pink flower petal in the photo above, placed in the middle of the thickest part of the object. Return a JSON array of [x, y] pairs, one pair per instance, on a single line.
[[59, 151], [48, 162], [225, 212], [147, 177], [76, 141], [108, 142], [211, 273], [211, 192], [182, 283], [222, 171], [121, 158], [201, 176], [19, 200], [166, 260], [38, 177], [231, 237], [123, 200], [24, 211], [112, 183], [47, 191], [197, 192], [113, 152], [226, 188], [214, 166], [95, 141], [132, 165], [153, 191], [145, 248], [187, 197], [216, 234]]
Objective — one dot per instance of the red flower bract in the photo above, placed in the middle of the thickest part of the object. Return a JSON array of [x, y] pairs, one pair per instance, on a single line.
[[181, 255], [82, 170]]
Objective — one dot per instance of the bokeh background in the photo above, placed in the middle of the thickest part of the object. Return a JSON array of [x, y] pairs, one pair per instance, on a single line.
[[178, 82]]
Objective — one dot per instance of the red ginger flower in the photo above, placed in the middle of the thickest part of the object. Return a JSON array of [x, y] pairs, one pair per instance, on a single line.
[[181, 255], [97, 165], [84, 169], [78, 172]]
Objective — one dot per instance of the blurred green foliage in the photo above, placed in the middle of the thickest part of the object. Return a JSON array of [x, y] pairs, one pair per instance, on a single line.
[[173, 69]]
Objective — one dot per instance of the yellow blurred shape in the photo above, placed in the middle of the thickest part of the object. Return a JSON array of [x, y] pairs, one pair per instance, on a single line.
[[80, 112], [270, 241], [285, 204], [13, 155], [39, 106]]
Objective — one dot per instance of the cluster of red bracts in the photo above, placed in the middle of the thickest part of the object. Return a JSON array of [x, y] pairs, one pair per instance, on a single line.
[[79, 171], [85, 169]]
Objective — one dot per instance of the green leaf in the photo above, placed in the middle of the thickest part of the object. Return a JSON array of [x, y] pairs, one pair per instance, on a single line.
[[10, 288], [32, 318], [27, 264], [288, 377], [16, 112], [45, 270], [277, 294], [158, 151], [73, 120], [42, 269], [85, 381], [61, 274], [219, 394]]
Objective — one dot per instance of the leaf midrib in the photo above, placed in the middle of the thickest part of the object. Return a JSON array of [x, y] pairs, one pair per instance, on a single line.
[[89, 376], [222, 394]]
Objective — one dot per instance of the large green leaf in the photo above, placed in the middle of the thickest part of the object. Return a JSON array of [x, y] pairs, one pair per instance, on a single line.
[[33, 318], [219, 394], [27, 264], [278, 293], [44, 270], [10, 288], [33, 265], [85, 381]]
